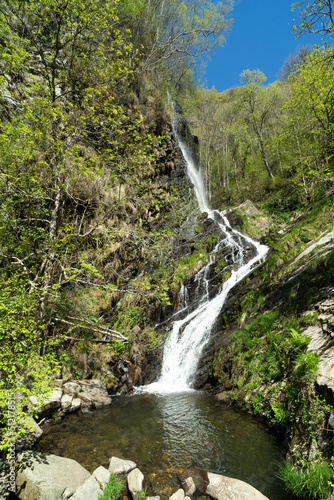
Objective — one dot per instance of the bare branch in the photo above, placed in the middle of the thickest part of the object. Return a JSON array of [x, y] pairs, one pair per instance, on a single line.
[[95, 329]]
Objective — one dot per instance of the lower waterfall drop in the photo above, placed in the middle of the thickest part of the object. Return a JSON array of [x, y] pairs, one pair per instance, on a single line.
[[189, 336]]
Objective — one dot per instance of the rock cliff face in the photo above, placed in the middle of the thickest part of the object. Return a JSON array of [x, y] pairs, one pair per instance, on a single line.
[[322, 340]]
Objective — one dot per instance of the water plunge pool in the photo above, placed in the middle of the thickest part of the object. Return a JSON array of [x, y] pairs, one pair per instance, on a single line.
[[165, 434]]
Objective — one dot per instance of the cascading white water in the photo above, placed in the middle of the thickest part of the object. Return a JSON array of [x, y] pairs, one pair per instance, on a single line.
[[184, 346]]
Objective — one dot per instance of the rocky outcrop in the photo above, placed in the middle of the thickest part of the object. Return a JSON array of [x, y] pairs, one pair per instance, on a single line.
[[92, 393], [257, 223], [48, 406], [71, 396], [40, 476]]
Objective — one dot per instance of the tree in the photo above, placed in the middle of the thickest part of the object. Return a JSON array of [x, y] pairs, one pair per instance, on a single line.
[[294, 62], [315, 17], [259, 103], [66, 41], [310, 122], [175, 33]]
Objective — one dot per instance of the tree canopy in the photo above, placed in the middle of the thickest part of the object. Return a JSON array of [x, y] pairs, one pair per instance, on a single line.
[[314, 17]]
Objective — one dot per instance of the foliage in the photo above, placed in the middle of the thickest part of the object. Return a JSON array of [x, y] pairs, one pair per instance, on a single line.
[[310, 123], [112, 489], [175, 34], [315, 17], [27, 359]]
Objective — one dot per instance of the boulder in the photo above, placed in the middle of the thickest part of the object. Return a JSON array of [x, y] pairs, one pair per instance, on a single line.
[[47, 477], [224, 396], [5, 480], [135, 482], [119, 466], [75, 405], [47, 407], [66, 402], [221, 487], [91, 392], [93, 487], [228, 488], [257, 220]]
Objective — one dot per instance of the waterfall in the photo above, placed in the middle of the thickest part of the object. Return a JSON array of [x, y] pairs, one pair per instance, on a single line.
[[189, 336]]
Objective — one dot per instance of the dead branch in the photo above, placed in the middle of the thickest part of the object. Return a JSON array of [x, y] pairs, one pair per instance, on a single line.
[[98, 341], [94, 328]]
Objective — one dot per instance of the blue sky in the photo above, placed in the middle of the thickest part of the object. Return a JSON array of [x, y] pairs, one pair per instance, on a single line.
[[261, 38]]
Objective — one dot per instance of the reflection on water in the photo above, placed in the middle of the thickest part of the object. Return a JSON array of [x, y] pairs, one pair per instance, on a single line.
[[166, 434]]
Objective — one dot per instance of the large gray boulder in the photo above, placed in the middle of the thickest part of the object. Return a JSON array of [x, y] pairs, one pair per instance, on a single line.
[[47, 477], [228, 488], [120, 466], [93, 487], [220, 487]]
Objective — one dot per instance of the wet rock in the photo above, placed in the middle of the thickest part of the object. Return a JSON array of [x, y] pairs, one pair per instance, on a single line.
[[94, 486], [41, 476], [235, 220], [119, 466], [224, 397], [135, 482]]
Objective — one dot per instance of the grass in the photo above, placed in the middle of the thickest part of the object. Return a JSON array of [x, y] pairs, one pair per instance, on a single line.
[[312, 480], [112, 489]]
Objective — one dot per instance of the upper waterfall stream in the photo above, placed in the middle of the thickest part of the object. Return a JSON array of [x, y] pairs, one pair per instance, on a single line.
[[189, 336]]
